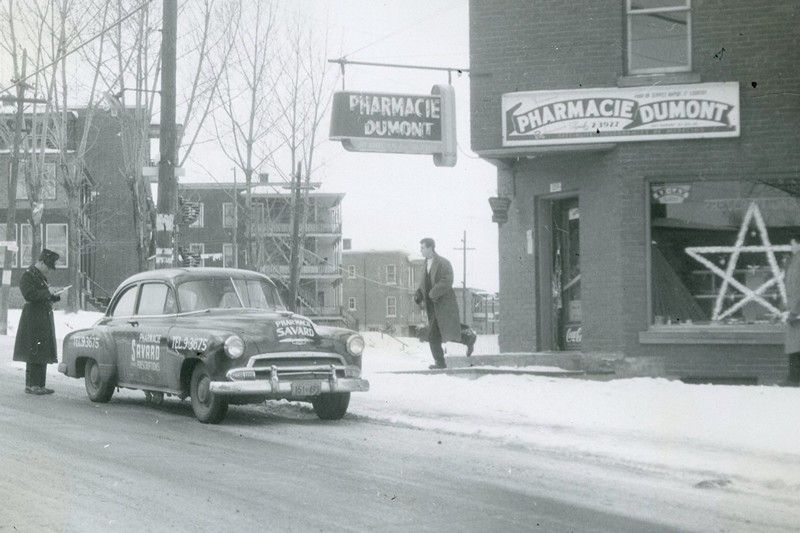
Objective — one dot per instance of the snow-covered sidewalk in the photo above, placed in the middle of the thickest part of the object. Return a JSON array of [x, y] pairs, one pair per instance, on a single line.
[[739, 437], [744, 437]]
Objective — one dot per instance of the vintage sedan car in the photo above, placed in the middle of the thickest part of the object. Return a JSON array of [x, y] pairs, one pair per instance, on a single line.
[[218, 335]]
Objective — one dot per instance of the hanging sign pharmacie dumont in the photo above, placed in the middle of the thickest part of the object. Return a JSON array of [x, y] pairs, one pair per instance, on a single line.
[[397, 123], [621, 114]]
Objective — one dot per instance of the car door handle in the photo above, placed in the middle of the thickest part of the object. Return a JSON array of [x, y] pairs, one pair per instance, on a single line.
[[133, 323]]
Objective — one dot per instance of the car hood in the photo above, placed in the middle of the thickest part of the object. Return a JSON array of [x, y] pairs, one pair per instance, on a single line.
[[263, 331]]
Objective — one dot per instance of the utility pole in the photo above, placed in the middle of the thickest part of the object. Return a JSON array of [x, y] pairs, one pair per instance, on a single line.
[[294, 269], [235, 222], [6, 248], [464, 279], [167, 185]]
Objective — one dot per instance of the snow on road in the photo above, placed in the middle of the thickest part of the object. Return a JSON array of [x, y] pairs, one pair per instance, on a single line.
[[740, 437]]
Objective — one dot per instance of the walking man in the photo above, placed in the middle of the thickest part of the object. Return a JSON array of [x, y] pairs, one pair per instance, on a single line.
[[792, 281], [436, 293], [36, 334]]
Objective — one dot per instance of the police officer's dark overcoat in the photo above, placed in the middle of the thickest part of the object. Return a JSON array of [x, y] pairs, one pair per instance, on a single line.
[[36, 333]]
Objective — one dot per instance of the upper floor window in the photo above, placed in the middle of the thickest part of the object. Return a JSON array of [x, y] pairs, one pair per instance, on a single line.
[[391, 306], [351, 303], [57, 239], [48, 180], [198, 223], [227, 215], [351, 271], [391, 274], [659, 36]]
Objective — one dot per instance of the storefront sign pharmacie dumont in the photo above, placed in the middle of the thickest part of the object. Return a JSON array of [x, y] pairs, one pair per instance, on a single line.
[[397, 123], [621, 114]]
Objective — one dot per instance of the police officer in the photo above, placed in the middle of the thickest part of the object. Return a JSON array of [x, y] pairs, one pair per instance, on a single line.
[[36, 334]]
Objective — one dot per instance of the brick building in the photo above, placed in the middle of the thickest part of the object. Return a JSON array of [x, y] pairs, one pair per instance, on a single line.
[[647, 174], [218, 237], [107, 241], [379, 288], [483, 309]]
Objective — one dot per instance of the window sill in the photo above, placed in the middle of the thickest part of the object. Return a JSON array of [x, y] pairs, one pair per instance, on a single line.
[[667, 78], [710, 334]]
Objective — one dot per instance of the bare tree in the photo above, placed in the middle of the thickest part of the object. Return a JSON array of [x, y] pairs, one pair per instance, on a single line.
[[245, 97], [303, 96]]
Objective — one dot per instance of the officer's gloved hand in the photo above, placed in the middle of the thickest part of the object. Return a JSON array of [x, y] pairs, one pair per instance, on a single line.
[[55, 298]]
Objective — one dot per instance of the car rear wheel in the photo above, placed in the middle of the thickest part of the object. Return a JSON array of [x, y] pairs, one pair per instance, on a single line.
[[98, 389], [331, 406], [207, 406]]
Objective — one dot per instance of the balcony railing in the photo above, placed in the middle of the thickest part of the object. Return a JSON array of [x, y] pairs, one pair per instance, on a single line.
[[285, 228], [312, 270]]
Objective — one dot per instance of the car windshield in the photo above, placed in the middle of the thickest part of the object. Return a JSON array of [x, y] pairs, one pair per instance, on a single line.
[[228, 293]]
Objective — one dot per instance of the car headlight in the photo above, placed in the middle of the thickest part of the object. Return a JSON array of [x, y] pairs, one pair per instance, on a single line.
[[355, 344], [234, 346]]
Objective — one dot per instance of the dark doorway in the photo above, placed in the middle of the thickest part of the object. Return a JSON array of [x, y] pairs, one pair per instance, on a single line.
[[566, 275]]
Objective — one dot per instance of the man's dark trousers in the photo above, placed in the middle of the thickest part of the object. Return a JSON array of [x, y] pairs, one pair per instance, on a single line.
[[435, 337], [35, 374]]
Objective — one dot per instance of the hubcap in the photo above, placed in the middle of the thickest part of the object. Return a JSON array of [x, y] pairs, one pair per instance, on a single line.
[[203, 394], [94, 376]]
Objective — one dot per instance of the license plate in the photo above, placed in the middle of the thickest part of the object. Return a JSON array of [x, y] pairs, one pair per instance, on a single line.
[[306, 388]]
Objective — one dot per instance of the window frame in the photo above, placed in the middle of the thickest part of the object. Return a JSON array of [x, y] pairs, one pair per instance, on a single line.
[[200, 222], [228, 245], [351, 272], [113, 307], [202, 247], [137, 310], [393, 281], [648, 11], [15, 255], [351, 303], [679, 329], [228, 220], [388, 306], [48, 245]]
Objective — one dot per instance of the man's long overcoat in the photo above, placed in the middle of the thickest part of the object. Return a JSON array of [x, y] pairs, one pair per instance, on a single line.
[[443, 296], [36, 333], [792, 281]]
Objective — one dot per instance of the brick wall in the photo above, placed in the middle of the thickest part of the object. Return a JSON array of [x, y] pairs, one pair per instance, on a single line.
[[545, 45]]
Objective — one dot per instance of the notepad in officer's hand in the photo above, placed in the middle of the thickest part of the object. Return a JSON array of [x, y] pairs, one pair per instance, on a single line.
[[64, 289]]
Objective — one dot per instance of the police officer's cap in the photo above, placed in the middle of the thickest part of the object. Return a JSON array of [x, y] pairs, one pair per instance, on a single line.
[[49, 258]]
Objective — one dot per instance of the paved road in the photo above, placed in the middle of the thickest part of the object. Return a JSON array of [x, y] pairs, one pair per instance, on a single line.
[[67, 464]]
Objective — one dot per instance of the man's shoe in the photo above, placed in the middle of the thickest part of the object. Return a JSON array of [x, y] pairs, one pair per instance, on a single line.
[[436, 367], [470, 346], [28, 390], [39, 391], [45, 390]]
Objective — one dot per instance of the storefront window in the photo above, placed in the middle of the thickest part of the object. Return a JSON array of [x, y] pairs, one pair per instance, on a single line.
[[719, 250]]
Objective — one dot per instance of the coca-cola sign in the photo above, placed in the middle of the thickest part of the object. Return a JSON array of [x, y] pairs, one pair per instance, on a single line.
[[573, 336]]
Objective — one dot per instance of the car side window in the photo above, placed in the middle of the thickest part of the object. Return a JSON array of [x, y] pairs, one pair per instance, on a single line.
[[153, 300], [126, 303]]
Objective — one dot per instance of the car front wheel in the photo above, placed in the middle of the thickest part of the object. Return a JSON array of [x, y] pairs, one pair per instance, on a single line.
[[98, 389], [331, 406], [207, 406]]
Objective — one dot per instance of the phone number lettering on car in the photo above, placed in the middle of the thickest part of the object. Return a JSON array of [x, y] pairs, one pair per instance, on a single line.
[[88, 341], [193, 344]]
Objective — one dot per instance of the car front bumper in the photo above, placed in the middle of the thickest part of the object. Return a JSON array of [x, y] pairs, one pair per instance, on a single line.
[[283, 382]]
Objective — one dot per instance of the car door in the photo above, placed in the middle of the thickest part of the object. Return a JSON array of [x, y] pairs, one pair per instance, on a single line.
[[124, 328], [156, 315]]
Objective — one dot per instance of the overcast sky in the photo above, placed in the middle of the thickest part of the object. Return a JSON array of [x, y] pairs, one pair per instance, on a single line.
[[394, 200]]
